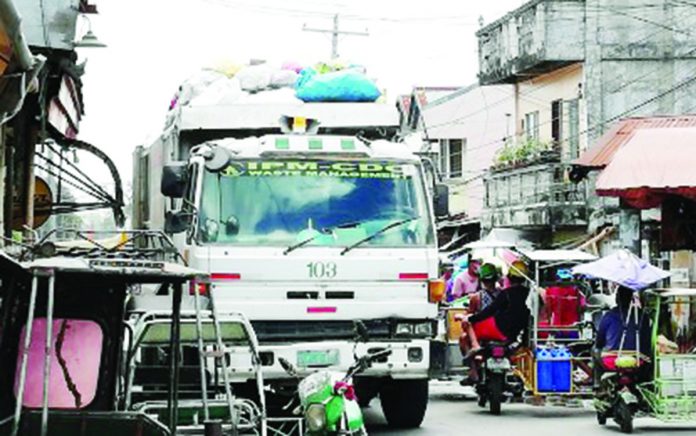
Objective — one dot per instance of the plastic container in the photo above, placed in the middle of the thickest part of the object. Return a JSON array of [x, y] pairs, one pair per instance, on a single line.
[[553, 369], [544, 370], [562, 372]]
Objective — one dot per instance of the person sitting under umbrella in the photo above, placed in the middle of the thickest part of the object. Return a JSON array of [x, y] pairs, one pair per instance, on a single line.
[[621, 329]]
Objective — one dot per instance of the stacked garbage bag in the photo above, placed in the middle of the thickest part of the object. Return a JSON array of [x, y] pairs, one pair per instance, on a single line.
[[260, 82]]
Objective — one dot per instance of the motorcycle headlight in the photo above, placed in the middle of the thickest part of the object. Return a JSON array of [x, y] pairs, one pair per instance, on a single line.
[[424, 329], [403, 329], [315, 416]]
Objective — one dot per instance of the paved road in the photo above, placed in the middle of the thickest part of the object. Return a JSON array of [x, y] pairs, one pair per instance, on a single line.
[[453, 411]]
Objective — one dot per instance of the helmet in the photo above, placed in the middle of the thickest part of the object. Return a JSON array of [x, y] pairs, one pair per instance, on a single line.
[[488, 271], [564, 274], [518, 269]]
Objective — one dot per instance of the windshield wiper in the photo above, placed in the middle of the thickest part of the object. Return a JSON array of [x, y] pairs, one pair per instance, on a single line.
[[379, 232], [301, 243], [323, 232]]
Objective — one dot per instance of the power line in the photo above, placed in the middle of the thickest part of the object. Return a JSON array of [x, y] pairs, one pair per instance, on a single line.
[[335, 33]]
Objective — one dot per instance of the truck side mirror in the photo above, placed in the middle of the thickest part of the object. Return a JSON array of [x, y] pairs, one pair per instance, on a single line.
[[173, 183], [441, 200], [217, 159], [176, 222]]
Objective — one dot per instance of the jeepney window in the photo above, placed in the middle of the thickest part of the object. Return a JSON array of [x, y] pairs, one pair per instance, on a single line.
[[76, 349], [283, 202]]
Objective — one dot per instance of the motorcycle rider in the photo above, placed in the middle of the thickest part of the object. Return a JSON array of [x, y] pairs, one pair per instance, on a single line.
[[617, 330], [488, 276], [505, 317]]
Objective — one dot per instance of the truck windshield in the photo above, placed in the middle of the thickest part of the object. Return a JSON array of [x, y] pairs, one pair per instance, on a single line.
[[333, 203]]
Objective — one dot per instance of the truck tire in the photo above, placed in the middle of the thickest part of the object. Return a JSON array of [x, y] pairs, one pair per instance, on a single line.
[[404, 402], [366, 389]]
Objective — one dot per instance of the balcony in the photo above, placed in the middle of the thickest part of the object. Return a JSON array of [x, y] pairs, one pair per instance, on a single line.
[[534, 196], [539, 37]]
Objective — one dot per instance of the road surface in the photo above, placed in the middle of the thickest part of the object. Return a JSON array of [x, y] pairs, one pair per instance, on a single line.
[[452, 411]]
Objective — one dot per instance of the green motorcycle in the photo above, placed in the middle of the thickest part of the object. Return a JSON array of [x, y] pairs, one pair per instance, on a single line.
[[327, 398]]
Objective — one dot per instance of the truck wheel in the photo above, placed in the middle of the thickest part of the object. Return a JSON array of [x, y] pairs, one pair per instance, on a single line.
[[404, 402], [495, 393], [366, 389]]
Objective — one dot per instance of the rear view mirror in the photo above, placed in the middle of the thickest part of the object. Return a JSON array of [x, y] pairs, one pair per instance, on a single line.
[[441, 200], [176, 222], [217, 159], [173, 183]]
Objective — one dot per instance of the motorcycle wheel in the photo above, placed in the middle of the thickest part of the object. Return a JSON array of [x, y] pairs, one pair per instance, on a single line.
[[624, 417], [601, 418], [495, 393]]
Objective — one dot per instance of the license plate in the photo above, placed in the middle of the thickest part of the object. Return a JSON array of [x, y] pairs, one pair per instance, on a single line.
[[317, 358], [498, 364]]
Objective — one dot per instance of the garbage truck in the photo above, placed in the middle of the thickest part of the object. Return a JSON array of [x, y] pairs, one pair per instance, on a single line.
[[308, 216]]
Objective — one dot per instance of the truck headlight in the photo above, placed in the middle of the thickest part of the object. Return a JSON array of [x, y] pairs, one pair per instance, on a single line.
[[423, 329], [403, 329], [315, 416]]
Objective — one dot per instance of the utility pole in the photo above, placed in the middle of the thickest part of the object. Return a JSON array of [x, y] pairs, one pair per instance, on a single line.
[[335, 33]]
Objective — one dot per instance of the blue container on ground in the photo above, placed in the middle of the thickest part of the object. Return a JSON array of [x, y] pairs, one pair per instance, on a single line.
[[544, 370], [562, 373], [553, 369]]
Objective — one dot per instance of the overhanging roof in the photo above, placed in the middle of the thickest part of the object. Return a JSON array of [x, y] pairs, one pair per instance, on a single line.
[[601, 154], [660, 159]]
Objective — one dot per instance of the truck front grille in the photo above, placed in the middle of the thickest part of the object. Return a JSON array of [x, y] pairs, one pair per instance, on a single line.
[[283, 331]]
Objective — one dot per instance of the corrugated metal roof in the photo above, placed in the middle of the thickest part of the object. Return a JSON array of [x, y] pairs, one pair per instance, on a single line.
[[606, 147]]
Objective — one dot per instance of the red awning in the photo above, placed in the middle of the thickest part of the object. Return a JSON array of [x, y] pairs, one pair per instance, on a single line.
[[652, 163], [621, 133]]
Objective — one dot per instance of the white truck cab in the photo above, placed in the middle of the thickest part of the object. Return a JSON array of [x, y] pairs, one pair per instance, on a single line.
[[305, 233]]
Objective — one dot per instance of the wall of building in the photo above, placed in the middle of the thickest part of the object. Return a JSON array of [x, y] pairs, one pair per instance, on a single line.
[[640, 60], [537, 95], [482, 116]]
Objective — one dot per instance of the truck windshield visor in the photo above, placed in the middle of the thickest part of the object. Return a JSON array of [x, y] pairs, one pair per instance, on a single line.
[[333, 203]]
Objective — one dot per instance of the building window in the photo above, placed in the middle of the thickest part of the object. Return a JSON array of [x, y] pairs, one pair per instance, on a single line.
[[451, 160], [531, 125], [556, 121], [443, 158], [456, 157]]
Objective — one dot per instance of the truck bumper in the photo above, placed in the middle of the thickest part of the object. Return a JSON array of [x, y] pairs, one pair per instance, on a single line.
[[410, 359]]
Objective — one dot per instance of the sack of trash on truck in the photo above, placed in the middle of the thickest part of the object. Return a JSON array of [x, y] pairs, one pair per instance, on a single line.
[[338, 86], [255, 78]]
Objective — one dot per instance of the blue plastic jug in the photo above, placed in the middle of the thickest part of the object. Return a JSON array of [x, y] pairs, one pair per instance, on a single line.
[[544, 370], [562, 374]]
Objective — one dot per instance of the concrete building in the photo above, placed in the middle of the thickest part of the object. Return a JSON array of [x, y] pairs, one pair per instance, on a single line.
[[578, 67], [463, 129]]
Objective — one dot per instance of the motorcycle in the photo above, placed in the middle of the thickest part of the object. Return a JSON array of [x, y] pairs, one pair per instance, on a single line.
[[493, 365], [327, 398]]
